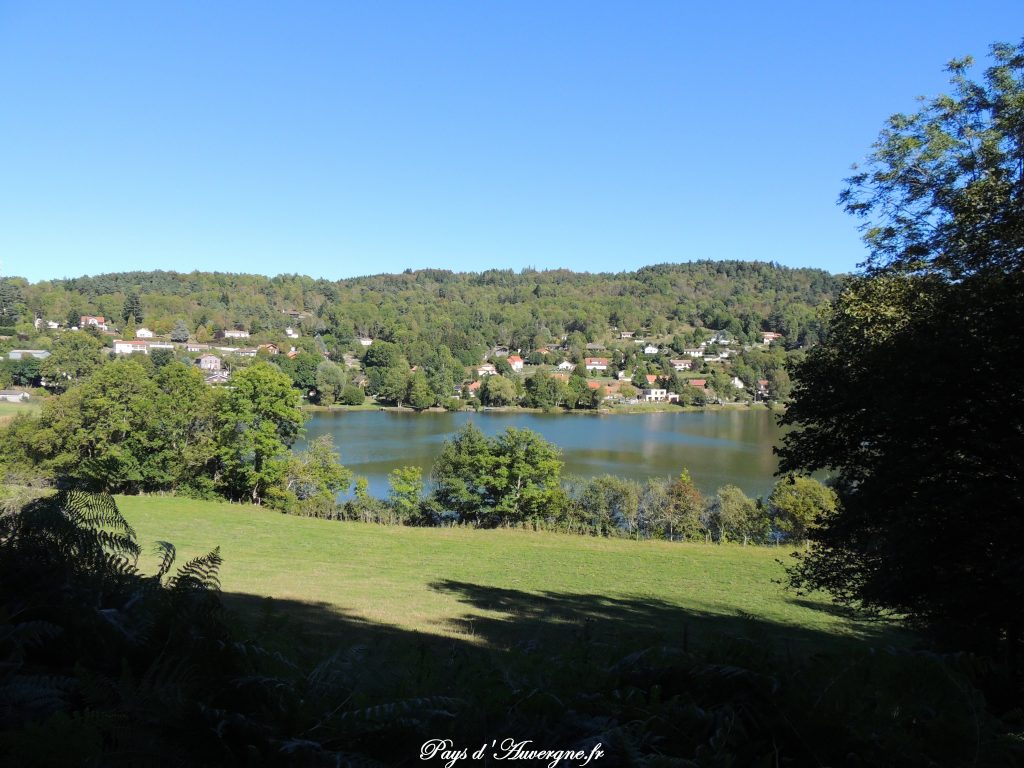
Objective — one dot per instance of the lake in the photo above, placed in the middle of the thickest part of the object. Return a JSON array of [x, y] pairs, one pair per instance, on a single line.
[[718, 447]]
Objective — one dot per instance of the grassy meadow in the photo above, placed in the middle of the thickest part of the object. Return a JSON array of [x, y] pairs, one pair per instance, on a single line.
[[9, 410], [335, 583]]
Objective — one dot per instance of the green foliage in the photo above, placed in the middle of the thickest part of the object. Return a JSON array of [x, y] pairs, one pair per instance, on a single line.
[[419, 394], [405, 487], [132, 309], [352, 395], [798, 503], [180, 332], [925, 453], [497, 391], [738, 517], [74, 356], [499, 481], [257, 421], [330, 381], [302, 370], [312, 480]]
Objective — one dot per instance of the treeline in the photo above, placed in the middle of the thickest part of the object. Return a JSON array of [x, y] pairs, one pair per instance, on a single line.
[[515, 480], [136, 426], [470, 312]]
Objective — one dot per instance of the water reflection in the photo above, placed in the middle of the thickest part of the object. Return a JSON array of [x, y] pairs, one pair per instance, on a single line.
[[718, 447]]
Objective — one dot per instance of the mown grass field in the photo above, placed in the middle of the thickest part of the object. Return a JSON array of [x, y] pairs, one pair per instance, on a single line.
[[347, 582], [9, 410]]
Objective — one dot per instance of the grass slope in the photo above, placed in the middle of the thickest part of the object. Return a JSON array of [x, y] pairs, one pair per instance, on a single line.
[[488, 588], [9, 410]]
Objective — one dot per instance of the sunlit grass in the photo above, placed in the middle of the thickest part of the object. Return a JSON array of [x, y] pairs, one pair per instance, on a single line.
[[425, 580]]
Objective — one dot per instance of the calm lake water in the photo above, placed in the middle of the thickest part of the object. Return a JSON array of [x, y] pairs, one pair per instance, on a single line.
[[718, 447]]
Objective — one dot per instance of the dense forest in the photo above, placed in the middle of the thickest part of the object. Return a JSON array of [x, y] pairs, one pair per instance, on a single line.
[[470, 311]]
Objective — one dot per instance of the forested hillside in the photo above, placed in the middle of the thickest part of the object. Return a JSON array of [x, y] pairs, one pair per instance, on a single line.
[[469, 311]]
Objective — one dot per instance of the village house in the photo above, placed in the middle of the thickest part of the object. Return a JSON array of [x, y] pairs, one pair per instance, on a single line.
[[365, 341], [543, 351], [217, 377], [770, 336], [682, 364], [736, 382], [650, 349], [13, 396], [597, 363], [516, 362], [21, 354], [209, 363], [693, 352], [247, 352], [626, 334], [698, 383], [487, 369], [565, 365], [194, 347], [159, 345], [122, 347], [473, 388], [499, 351], [270, 349], [654, 395], [143, 333], [94, 320], [594, 347], [291, 333], [233, 333]]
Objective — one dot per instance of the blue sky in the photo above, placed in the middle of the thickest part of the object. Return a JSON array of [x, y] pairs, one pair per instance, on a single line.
[[338, 139]]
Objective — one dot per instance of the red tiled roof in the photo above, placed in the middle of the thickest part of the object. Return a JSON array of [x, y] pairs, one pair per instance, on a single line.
[[702, 383]]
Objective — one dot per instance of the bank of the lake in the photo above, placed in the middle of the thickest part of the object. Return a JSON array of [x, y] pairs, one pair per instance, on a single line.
[[719, 447]]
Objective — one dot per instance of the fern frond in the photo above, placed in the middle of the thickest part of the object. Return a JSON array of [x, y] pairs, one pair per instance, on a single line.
[[198, 573], [167, 554]]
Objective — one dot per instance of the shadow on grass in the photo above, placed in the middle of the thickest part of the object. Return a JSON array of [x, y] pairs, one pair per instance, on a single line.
[[500, 621]]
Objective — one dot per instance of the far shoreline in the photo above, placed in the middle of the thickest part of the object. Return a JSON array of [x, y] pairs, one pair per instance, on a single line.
[[618, 411]]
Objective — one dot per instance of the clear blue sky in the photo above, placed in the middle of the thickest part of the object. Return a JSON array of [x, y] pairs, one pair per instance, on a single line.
[[337, 139]]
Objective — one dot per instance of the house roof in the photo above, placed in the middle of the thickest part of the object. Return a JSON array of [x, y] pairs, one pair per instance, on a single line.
[[702, 383], [597, 361], [515, 359]]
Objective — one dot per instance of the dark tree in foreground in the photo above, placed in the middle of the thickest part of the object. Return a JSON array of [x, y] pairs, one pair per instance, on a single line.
[[914, 398]]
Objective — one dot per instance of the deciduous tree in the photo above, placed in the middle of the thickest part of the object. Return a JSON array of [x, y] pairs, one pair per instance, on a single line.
[[926, 454]]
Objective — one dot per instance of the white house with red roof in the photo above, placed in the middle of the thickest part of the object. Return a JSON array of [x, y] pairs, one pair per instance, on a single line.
[[516, 362], [596, 363], [94, 320]]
